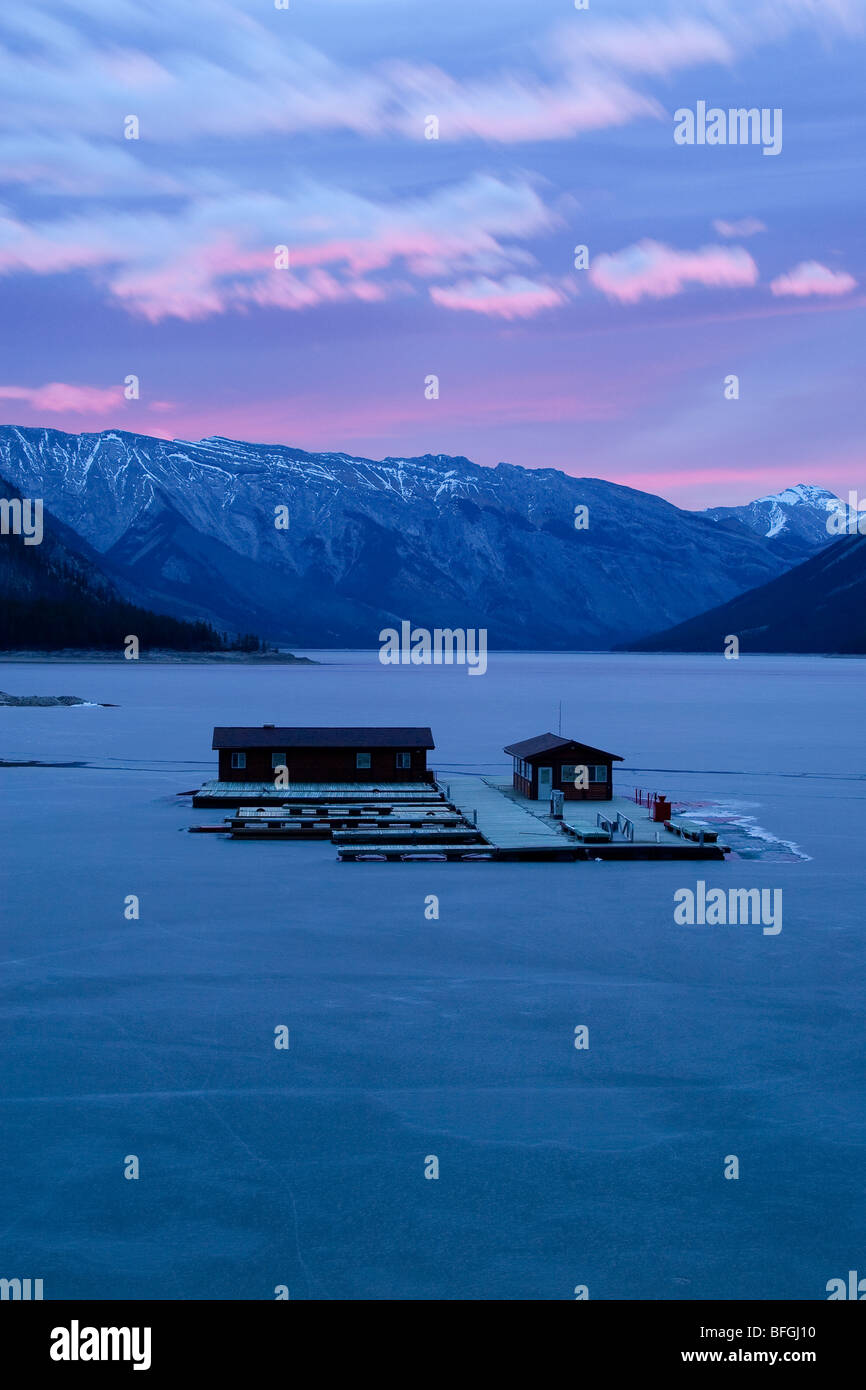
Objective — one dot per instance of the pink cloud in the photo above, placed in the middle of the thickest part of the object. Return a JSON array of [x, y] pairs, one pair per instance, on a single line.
[[811, 277], [746, 226], [286, 291], [269, 79], [512, 298], [511, 108], [219, 253], [80, 78], [584, 88], [59, 396], [651, 46], [652, 270]]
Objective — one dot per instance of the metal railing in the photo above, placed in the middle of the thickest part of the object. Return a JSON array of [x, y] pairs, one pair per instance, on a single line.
[[647, 799]]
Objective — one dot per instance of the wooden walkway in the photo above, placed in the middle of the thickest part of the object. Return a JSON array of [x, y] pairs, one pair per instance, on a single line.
[[512, 830], [516, 832]]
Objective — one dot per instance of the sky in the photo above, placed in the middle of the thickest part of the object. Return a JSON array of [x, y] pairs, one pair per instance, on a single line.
[[283, 222]]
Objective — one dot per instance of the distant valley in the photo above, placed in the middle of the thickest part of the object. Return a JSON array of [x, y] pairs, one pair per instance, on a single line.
[[819, 606]]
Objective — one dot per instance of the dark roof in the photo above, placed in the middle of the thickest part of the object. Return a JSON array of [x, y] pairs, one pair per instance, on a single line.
[[546, 743], [279, 738]]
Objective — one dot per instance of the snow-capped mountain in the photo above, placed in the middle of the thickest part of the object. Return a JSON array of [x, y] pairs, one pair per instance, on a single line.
[[799, 514], [194, 529]]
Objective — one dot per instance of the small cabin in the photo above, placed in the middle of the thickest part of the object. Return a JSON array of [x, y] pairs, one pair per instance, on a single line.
[[323, 755], [551, 763]]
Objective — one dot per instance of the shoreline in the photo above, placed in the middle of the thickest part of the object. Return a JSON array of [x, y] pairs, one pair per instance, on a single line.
[[157, 658], [166, 658]]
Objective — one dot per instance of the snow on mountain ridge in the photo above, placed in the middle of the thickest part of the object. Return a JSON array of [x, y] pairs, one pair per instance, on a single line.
[[406, 478], [99, 483], [191, 527], [799, 512], [801, 493]]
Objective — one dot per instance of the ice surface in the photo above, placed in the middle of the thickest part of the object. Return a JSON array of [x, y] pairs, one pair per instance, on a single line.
[[412, 1037]]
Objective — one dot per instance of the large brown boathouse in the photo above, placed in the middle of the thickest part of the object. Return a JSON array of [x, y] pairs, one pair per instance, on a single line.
[[323, 755]]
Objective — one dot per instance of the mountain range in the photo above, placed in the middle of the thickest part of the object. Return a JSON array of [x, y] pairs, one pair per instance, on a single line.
[[327, 549]]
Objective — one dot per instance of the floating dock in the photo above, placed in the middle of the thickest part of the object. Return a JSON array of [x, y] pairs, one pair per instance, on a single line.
[[301, 794], [700, 834], [470, 818], [254, 823], [466, 835], [620, 829], [407, 853]]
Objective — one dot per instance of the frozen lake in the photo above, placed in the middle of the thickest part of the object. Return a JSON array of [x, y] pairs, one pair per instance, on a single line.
[[411, 1037]]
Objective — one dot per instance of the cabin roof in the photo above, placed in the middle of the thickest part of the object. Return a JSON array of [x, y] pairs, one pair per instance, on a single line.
[[548, 743], [279, 737]]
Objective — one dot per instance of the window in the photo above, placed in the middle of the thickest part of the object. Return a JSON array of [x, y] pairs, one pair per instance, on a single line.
[[278, 760], [404, 760], [592, 772], [362, 760], [239, 759]]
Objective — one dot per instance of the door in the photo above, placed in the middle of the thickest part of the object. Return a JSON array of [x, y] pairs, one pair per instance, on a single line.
[[545, 783]]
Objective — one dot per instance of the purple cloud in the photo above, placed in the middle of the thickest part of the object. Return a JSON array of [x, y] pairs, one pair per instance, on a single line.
[[217, 254], [652, 270], [515, 297], [746, 226], [811, 277], [61, 397]]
